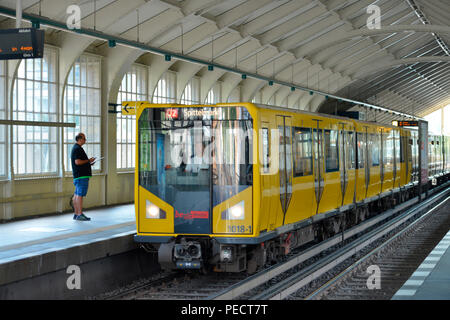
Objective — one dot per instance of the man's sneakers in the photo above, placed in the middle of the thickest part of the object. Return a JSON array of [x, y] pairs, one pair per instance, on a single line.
[[81, 217]]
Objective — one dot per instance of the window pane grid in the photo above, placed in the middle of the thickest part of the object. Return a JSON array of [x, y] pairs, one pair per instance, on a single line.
[[235, 95], [3, 153], [191, 94], [82, 106], [214, 94], [34, 99], [165, 91], [133, 88]]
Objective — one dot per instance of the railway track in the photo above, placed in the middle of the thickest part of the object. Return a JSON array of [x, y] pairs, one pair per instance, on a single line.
[[175, 286], [396, 259], [303, 273]]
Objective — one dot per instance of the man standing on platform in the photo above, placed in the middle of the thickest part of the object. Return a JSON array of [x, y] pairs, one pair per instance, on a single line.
[[81, 169]]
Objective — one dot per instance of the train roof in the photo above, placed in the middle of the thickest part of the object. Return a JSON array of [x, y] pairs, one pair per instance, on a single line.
[[265, 106]]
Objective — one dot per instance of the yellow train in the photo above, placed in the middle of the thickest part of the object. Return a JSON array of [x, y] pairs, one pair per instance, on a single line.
[[235, 186]]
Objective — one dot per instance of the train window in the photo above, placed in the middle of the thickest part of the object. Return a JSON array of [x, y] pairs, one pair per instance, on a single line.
[[266, 148], [375, 148], [398, 150], [318, 153], [360, 142], [302, 152], [331, 151], [402, 149], [350, 148], [388, 148], [179, 158]]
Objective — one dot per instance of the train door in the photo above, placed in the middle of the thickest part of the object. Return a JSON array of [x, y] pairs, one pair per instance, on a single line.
[[343, 154], [367, 160], [192, 178], [374, 162], [415, 156], [362, 176], [397, 158], [383, 157], [349, 162], [264, 148], [319, 172], [285, 161], [269, 175]]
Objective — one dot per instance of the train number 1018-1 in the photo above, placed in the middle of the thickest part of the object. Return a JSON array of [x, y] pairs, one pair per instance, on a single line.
[[240, 229]]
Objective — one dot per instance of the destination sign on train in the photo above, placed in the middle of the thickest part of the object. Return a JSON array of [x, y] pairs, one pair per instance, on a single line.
[[191, 113], [23, 43], [404, 123]]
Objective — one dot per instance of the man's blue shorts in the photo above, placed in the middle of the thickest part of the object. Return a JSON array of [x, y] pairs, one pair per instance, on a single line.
[[81, 186]]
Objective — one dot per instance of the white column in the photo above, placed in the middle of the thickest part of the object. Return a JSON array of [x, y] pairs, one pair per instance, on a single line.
[[18, 13]]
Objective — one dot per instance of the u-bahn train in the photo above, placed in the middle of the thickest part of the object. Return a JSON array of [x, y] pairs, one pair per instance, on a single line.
[[236, 186]]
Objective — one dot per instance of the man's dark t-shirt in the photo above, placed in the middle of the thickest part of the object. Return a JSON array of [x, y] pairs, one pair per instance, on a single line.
[[83, 170]]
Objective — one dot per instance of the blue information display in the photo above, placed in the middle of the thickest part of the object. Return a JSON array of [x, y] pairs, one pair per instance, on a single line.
[[23, 43]]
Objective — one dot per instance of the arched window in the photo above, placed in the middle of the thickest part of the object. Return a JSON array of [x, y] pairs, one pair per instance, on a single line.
[[257, 97], [272, 100], [165, 91], [35, 99], [133, 88], [214, 94], [235, 95], [191, 94], [82, 106], [284, 103]]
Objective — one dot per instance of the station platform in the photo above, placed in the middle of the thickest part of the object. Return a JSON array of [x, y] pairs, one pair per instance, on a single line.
[[35, 247], [431, 280]]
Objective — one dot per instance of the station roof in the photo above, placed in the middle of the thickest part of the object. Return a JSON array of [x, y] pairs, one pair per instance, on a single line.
[[332, 46]]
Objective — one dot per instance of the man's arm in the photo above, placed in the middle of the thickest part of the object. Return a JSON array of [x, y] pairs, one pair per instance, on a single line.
[[80, 162]]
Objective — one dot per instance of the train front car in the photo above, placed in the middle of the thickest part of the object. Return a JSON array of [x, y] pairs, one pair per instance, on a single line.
[[194, 184]]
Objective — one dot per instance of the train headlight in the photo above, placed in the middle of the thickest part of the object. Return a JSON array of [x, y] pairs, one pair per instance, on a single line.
[[153, 212], [236, 212]]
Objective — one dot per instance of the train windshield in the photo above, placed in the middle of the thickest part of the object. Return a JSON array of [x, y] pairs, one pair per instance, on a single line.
[[195, 158]]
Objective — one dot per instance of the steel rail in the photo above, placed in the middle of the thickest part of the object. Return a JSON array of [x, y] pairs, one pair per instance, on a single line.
[[349, 269]]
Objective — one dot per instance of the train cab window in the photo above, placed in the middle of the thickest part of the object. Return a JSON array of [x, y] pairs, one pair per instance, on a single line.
[[265, 149], [331, 151], [302, 152], [180, 158], [375, 148]]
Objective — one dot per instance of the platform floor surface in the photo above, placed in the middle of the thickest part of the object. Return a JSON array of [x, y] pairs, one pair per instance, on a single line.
[[431, 280], [29, 237]]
